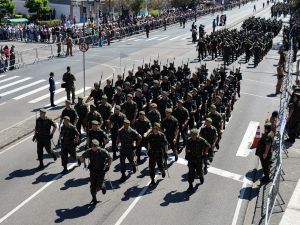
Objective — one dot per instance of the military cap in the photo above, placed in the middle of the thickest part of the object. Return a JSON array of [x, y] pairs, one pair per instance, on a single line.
[[146, 85], [127, 121], [154, 105], [156, 82], [164, 92], [104, 97], [180, 101], [92, 105], [219, 97], [169, 110], [173, 87], [117, 107], [142, 113], [43, 110], [139, 78], [67, 118], [68, 101], [165, 78], [95, 122], [95, 142], [129, 95], [195, 89], [139, 90], [80, 97], [213, 107], [194, 131], [209, 119], [189, 94], [51, 74], [156, 125], [127, 83], [119, 88], [119, 75]]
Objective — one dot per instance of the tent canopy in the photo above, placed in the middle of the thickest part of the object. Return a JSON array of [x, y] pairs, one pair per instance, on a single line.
[[19, 20]]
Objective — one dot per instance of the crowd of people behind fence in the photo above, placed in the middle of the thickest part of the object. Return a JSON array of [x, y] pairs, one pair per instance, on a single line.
[[8, 58], [118, 28]]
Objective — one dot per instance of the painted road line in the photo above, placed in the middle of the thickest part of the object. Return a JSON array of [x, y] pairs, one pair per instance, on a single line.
[[239, 204], [65, 98], [244, 148], [33, 91], [12, 146], [220, 172], [2, 76], [21, 88], [130, 39], [138, 40], [34, 195], [3, 103], [174, 38], [151, 39], [124, 215], [14, 83], [163, 38], [45, 96], [292, 211], [7, 79]]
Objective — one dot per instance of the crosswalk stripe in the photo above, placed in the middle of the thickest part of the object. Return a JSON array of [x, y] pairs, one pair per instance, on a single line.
[[163, 38], [33, 92], [7, 79], [45, 96], [130, 39], [65, 98], [2, 76], [184, 38], [152, 38], [174, 38], [21, 88], [138, 40], [16, 82]]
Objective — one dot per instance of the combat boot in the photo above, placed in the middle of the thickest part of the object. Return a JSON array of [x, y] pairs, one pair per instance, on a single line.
[[65, 170], [134, 168], [163, 174], [201, 179], [103, 189], [190, 189], [123, 177], [54, 157], [152, 184], [114, 156], [94, 200], [41, 166]]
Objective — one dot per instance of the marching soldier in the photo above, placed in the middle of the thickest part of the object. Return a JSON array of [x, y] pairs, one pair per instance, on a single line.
[[96, 133], [108, 90], [196, 148], [154, 115], [127, 136], [143, 126], [70, 112], [170, 127], [217, 122], [96, 94], [116, 122], [119, 98], [105, 111], [93, 115], [147, 29], [43, 136], [69, 138], [82, 112], [68, 79], [99, 163], [157, 151], [129, 108]]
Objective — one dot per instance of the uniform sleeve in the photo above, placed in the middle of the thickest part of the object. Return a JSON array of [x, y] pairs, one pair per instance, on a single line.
[[164, 139], [206, 143], [86, 154], [107, 155], [52, 123]]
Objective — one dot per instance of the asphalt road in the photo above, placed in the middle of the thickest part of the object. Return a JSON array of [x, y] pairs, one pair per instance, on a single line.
[[29, 197]]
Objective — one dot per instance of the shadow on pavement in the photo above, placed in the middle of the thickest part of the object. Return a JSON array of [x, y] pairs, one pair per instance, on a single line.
[[134, 192], [44, 178], [176, 197], [75, 183], [24, 173], [76, 212]]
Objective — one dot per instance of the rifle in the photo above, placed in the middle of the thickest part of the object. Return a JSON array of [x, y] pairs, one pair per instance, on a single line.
[[143, 64], [112, 82], [123, 78], [100, 80]]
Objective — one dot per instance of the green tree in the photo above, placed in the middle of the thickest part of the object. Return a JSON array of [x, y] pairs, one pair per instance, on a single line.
[[136, 5], [6, 6], [40, 7]]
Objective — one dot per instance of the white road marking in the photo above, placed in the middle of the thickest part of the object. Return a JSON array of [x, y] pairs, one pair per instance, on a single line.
[[150, 39], [259, 96], [130, 39], [163, 38], [7, 79], [33, 91], [175, 38], [239, 205], [138, 39], [291, 214], [121, 219], [11, 147], [2, 76], [14, 83], [65, 98], [244, 148], [45, 96], [34, 195], [21, 88], [3, 103]]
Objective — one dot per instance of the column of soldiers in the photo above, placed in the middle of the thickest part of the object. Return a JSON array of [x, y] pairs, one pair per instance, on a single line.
[[279, 9], [157, 108], [254, 39]]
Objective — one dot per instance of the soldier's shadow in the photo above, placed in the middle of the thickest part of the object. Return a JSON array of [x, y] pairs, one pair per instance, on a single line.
[[75, 183], [76, 212], [134, 192], [175, 197], [45, 177], [24, 173]]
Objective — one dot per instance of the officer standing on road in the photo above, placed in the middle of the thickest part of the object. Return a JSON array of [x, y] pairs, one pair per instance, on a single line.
[[43, 136], [52, 89], [147, 29], [70, 112], [69, 138], [264, 151], [99, 163], [170, 127], [69, 43], [82, 112], [127, 136], [157, 150], [196, 149], [68, 79], [96, 133], [116, 122]]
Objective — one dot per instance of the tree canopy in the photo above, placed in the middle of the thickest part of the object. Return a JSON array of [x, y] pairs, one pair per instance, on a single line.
[[40, 7], [6, 6]]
